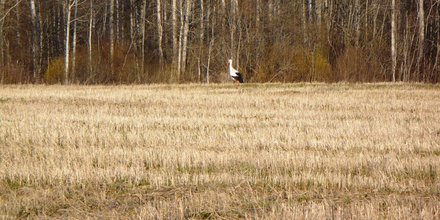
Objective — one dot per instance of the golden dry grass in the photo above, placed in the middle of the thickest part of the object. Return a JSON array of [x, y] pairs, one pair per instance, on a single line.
[[272, 151]]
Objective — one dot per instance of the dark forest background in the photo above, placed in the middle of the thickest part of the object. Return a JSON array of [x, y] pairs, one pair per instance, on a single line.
[[160, 41]]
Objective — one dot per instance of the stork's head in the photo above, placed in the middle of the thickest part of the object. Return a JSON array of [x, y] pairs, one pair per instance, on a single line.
[[230, 62]]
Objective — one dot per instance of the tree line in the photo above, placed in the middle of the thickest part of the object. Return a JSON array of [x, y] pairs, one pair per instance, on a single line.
[[159, 41]]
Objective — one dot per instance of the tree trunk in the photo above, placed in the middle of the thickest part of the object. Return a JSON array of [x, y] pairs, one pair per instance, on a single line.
[[319, 12], [304, 21], [358, 22], [233, 25], [90, 39], [75, 16], [143, 12], [112, 40], [132, 21], [211, 44], [174, 29], [420, 60], [122, 18], [201, 36], [36, 41], [179, 55], [2, 7], [185, 34], [257, 16], [159, 30], [67, 44], [117, 21], [393, 40], [18, 34], [270, 10]]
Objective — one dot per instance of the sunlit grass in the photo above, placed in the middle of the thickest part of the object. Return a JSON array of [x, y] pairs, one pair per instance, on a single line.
[[229, 151]]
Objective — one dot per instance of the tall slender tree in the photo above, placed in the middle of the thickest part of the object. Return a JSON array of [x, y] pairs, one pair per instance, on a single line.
[[90, 42], [142, 21], [2, 8], [112, 37], [36, 41], [185, 33], [393, 40], [75, 18], [174, 30], [159, 30], [421, 19], [67, 42]]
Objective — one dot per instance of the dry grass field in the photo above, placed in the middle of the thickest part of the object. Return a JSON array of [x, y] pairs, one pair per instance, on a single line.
[[270, 151]]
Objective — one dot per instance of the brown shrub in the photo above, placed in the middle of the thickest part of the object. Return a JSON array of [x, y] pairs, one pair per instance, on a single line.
[[286, 63], [13, 74], [356, 66], [55, 71]]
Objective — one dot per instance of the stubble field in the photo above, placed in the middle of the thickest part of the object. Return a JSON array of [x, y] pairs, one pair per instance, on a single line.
[[313, 151]]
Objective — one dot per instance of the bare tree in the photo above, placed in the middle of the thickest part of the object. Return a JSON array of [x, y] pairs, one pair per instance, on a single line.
[[174, 30], [36, 41], [358, 22], [75, 18], [142, 20], [67, 42], [393, 40], [2, 8], [159, 30], [421, 19], [112, 37], [117, 20], [304, 21], [201, 36], [90, 39]]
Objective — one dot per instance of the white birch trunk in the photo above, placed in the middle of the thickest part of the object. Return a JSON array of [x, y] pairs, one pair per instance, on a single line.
[[90, 39], [179, 55], [174, 30], [211, 44], [75, 16], [202, 33], [67, 44], [36, 41], [132, 21], [143, 12], [309, 11], [202, 23], [159, 30], [185, 33]]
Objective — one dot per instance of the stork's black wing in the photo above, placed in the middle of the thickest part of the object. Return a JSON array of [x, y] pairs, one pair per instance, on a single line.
[[239, 78]]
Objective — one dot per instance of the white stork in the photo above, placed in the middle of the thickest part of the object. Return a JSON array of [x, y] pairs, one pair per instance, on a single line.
[[234, 73]]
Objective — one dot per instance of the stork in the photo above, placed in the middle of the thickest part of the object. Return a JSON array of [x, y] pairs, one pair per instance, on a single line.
[[234, 73]]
